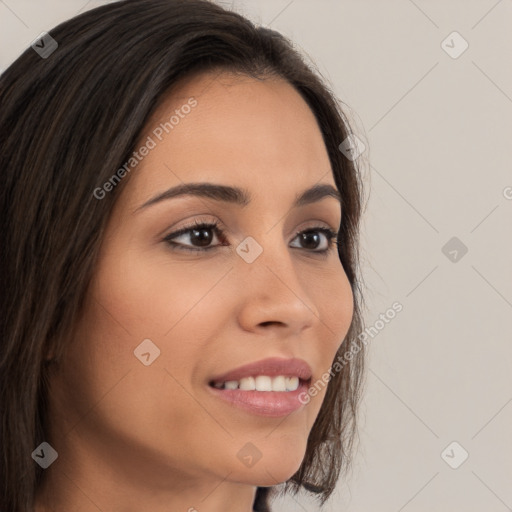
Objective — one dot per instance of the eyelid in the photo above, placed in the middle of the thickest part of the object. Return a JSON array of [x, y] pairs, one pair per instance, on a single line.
[[197, 221]]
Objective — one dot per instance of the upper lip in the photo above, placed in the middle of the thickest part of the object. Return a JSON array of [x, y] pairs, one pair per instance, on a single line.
[[272, 367]]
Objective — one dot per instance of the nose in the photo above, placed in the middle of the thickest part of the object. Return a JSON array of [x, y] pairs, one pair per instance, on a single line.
[[274, 294]]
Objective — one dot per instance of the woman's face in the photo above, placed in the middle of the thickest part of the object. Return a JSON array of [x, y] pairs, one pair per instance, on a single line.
[[134, 398]]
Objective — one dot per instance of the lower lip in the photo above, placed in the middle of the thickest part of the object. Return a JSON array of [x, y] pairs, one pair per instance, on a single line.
[[273, 404]]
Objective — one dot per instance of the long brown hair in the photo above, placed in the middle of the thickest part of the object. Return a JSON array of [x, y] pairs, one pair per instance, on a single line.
[[67, 122]]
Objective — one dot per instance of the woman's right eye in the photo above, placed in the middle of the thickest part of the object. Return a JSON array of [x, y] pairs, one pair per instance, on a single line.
[[197, 232]]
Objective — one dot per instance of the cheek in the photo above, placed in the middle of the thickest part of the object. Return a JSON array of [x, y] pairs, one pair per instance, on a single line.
[[179, 306], [178, 312], [334, 299], [336, 306], [150, 295]]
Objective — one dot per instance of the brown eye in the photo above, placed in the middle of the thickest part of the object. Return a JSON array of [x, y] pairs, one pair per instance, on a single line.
[[311, 238], [200, 237]]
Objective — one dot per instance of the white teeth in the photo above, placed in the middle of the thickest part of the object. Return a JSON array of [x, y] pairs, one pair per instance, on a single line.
[[261, 383], [247, 384], [279, 383], [292, 383]]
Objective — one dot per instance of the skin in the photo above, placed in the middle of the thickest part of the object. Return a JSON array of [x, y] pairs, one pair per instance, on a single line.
[[132, 437]]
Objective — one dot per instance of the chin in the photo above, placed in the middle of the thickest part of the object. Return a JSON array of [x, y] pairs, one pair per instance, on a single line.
[[274, 476], [275, 467]]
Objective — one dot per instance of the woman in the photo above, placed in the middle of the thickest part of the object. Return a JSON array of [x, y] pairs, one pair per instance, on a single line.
[[179, 267]]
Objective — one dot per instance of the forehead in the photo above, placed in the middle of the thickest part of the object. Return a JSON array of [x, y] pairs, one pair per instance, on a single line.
[[258, 134]]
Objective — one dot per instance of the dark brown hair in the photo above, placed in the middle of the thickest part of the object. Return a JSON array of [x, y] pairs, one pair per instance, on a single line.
[[67, 122]]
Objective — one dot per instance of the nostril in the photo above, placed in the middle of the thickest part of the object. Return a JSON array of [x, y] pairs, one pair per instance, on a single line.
[[270, 322]]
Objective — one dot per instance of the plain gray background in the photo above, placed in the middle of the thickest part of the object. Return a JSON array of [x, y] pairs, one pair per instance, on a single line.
[[437, 129]]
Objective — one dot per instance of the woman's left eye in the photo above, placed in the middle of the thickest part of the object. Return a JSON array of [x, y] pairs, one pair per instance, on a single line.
[[203, 234]]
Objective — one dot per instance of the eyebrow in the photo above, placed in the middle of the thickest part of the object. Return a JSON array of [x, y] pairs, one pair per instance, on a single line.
[[238, 196]]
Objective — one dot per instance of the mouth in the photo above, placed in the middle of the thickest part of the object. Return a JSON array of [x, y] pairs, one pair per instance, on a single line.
[[271, 387]]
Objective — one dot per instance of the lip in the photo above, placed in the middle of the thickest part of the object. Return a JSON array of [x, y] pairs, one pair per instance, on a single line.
[[272, 404], [272, 367], [265, 403]]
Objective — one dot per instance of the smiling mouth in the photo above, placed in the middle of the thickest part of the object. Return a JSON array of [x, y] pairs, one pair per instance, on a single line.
[[263, 395]]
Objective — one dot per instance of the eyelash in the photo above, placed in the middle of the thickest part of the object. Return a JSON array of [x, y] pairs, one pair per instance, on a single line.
[[198, 225]]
